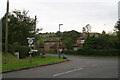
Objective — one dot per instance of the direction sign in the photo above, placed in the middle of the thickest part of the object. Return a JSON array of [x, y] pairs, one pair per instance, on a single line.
[[33, 50]]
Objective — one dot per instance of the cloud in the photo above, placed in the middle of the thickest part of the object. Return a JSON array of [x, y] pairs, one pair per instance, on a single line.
[[74, 14]]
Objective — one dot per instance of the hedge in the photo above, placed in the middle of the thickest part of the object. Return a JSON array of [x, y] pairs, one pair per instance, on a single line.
[[107, 52], [23, 51]]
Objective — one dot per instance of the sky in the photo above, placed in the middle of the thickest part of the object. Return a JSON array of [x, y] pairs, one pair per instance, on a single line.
[[73, 14]]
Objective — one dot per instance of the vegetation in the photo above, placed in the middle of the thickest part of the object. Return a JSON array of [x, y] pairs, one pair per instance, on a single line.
[[117, 29], [102, 42], [20, 27], [21, 24], [93, 52], [69, 38], [11, 62]]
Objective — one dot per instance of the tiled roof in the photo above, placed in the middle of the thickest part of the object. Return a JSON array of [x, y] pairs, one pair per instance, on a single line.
[[57, 45]]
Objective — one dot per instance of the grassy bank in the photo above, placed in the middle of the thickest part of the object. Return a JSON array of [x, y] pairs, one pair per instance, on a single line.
[[11, 63]]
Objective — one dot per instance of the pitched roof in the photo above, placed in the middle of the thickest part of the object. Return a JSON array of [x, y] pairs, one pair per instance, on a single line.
[[57, 45]]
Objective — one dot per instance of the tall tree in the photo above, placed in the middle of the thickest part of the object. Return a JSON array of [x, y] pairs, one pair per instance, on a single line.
[[19, 27], [88, 29]]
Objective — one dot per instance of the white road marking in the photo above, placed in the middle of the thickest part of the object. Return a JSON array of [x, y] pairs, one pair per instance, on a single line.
[[68, 71]]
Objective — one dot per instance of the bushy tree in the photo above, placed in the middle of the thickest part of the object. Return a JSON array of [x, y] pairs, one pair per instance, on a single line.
[[69, 38], [19, 27], [104, 41]]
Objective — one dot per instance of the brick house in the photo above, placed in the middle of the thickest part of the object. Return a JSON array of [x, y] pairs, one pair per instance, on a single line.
[[79, 43], [52, 45]]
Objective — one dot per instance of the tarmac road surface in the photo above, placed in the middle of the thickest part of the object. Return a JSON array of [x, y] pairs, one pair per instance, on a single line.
[[77, 67]]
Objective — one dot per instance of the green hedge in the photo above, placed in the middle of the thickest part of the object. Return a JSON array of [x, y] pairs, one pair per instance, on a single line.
[[23, 51], [107, 52]]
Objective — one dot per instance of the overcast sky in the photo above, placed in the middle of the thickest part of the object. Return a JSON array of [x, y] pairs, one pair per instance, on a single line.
[[73, 14]]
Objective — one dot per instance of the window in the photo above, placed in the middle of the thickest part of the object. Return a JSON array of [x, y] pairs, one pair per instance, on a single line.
[[82, 41]]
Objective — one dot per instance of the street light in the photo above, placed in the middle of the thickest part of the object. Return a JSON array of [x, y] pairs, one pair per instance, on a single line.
[[59, 40]]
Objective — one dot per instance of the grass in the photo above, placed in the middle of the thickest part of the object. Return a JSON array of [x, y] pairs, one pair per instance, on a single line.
[[11, 63]]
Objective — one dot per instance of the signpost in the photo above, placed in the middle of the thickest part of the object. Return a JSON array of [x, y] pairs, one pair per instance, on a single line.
[[30, 42]]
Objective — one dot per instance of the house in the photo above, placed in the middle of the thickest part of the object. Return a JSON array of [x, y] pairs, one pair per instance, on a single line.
[[79, 43], [52, 45]]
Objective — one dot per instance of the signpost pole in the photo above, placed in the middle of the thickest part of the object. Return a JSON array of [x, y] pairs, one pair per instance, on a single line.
[[30, 55], [30, 41]]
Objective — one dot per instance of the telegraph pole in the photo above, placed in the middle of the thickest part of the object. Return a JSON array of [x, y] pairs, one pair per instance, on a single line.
[[6, 29], [35, 30], [35, 23]]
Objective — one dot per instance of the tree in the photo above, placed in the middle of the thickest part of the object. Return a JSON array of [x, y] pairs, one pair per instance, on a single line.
[[84, 29], [88, 29], [103, 32], [69, 38], [19, 27], [117, 29], [104, 41], [58, 34]]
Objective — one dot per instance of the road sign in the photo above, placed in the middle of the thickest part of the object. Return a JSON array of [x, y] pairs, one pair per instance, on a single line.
[[33, 50], [30, 40]]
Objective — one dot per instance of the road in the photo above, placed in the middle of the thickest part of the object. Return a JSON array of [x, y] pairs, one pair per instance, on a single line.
[[78, 67]]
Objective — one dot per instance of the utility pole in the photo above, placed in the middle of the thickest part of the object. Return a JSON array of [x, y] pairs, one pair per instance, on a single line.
[[6, 29], [35, 31], [35, 24]]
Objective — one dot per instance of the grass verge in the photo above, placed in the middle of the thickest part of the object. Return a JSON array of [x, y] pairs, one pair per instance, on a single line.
[[12, 63]]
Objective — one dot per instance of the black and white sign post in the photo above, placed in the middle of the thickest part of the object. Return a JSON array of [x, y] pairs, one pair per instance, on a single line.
[[30, 41]]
